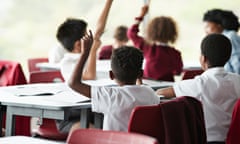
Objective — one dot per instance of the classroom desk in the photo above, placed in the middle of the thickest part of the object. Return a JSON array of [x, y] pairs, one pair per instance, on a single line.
[[26, 140], [191, 66], [52, 106], [102, 67], [45, 66], [38, 106]]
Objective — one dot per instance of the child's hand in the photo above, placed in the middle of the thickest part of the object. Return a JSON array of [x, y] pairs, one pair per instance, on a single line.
[[144, 10], [86, 43], [139, 81]]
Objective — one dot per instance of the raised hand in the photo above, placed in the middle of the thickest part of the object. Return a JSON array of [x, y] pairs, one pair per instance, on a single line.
[[86, 43], [144, 11]]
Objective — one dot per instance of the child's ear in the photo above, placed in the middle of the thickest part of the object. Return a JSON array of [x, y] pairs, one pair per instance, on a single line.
[[111, 75], [77, 46], [204, 62]]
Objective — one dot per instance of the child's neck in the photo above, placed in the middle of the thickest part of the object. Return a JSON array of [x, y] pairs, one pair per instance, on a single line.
[[125, 83]]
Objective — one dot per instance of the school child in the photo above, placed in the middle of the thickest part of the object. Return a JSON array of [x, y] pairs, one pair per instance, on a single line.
[[226, 23], [162, 60], [216, 88], [70, 36], [116, 103], [120, 39]]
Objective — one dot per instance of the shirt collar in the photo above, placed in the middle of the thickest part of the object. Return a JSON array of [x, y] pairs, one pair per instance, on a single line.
[[215, 70]]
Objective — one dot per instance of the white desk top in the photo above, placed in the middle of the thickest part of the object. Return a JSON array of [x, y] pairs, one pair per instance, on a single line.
[[26, 140], [62, 97], [57, 95], [102, 66]]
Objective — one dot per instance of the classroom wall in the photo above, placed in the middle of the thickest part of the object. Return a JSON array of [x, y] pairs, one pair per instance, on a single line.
[[28, 27]]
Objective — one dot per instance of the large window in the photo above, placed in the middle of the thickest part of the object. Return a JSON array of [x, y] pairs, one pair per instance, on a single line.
[[28, 27]]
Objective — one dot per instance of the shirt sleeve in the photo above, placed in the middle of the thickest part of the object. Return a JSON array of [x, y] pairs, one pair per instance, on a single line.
[[132, 34], [101, 99], [187, 88]]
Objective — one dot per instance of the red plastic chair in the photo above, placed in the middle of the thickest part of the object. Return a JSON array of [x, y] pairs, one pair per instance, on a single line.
[[48, 128], [234, 130], [32, 63], [178, 121], [96, 136], [190, 74], [11, 73], [46, 77]]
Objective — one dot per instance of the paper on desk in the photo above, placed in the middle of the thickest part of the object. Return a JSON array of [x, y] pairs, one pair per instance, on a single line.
[[46, 91], [35, 90], [67, 96]]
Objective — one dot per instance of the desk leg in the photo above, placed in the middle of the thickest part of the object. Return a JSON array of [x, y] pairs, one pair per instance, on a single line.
[[84, 120], [10, 122], [1, 119], [98, 120]]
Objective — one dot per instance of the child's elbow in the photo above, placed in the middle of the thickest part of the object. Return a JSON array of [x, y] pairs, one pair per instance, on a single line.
[[70, 83]]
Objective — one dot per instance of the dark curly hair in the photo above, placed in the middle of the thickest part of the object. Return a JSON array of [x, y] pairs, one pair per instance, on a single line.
[[227, 19], [217, 49], [70, 31], [126, 63]]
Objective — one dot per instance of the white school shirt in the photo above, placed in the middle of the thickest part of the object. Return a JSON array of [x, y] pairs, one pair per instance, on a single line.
[[117, 103], [218, 91], [68, 64], [56, 54]]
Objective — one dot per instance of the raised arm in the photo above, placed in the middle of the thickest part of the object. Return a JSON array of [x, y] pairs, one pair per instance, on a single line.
[[90, 69], [102, 20], [133, 31], [143, 12], [75, 81]]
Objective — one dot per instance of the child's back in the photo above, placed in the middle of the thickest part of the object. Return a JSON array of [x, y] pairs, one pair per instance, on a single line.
[[217, 89], [116, 103], [162, 60]]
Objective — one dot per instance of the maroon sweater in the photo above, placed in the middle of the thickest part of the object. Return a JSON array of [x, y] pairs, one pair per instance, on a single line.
[[105, 52], [162, 62]]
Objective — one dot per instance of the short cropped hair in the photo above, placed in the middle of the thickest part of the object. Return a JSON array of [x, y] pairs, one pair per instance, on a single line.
[[217, 49], [227, 19], [70, 31], [126, 63], [120, 33], [163, 29]]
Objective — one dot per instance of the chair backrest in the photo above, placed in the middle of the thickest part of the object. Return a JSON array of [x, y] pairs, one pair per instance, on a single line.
[[177, 121], [234, 130], [32, 63], [46, 77], [96, 136], [189, 74], [11, 73], [147, 120]]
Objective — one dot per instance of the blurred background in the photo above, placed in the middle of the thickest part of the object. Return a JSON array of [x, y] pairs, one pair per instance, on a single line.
[[28, 27]]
